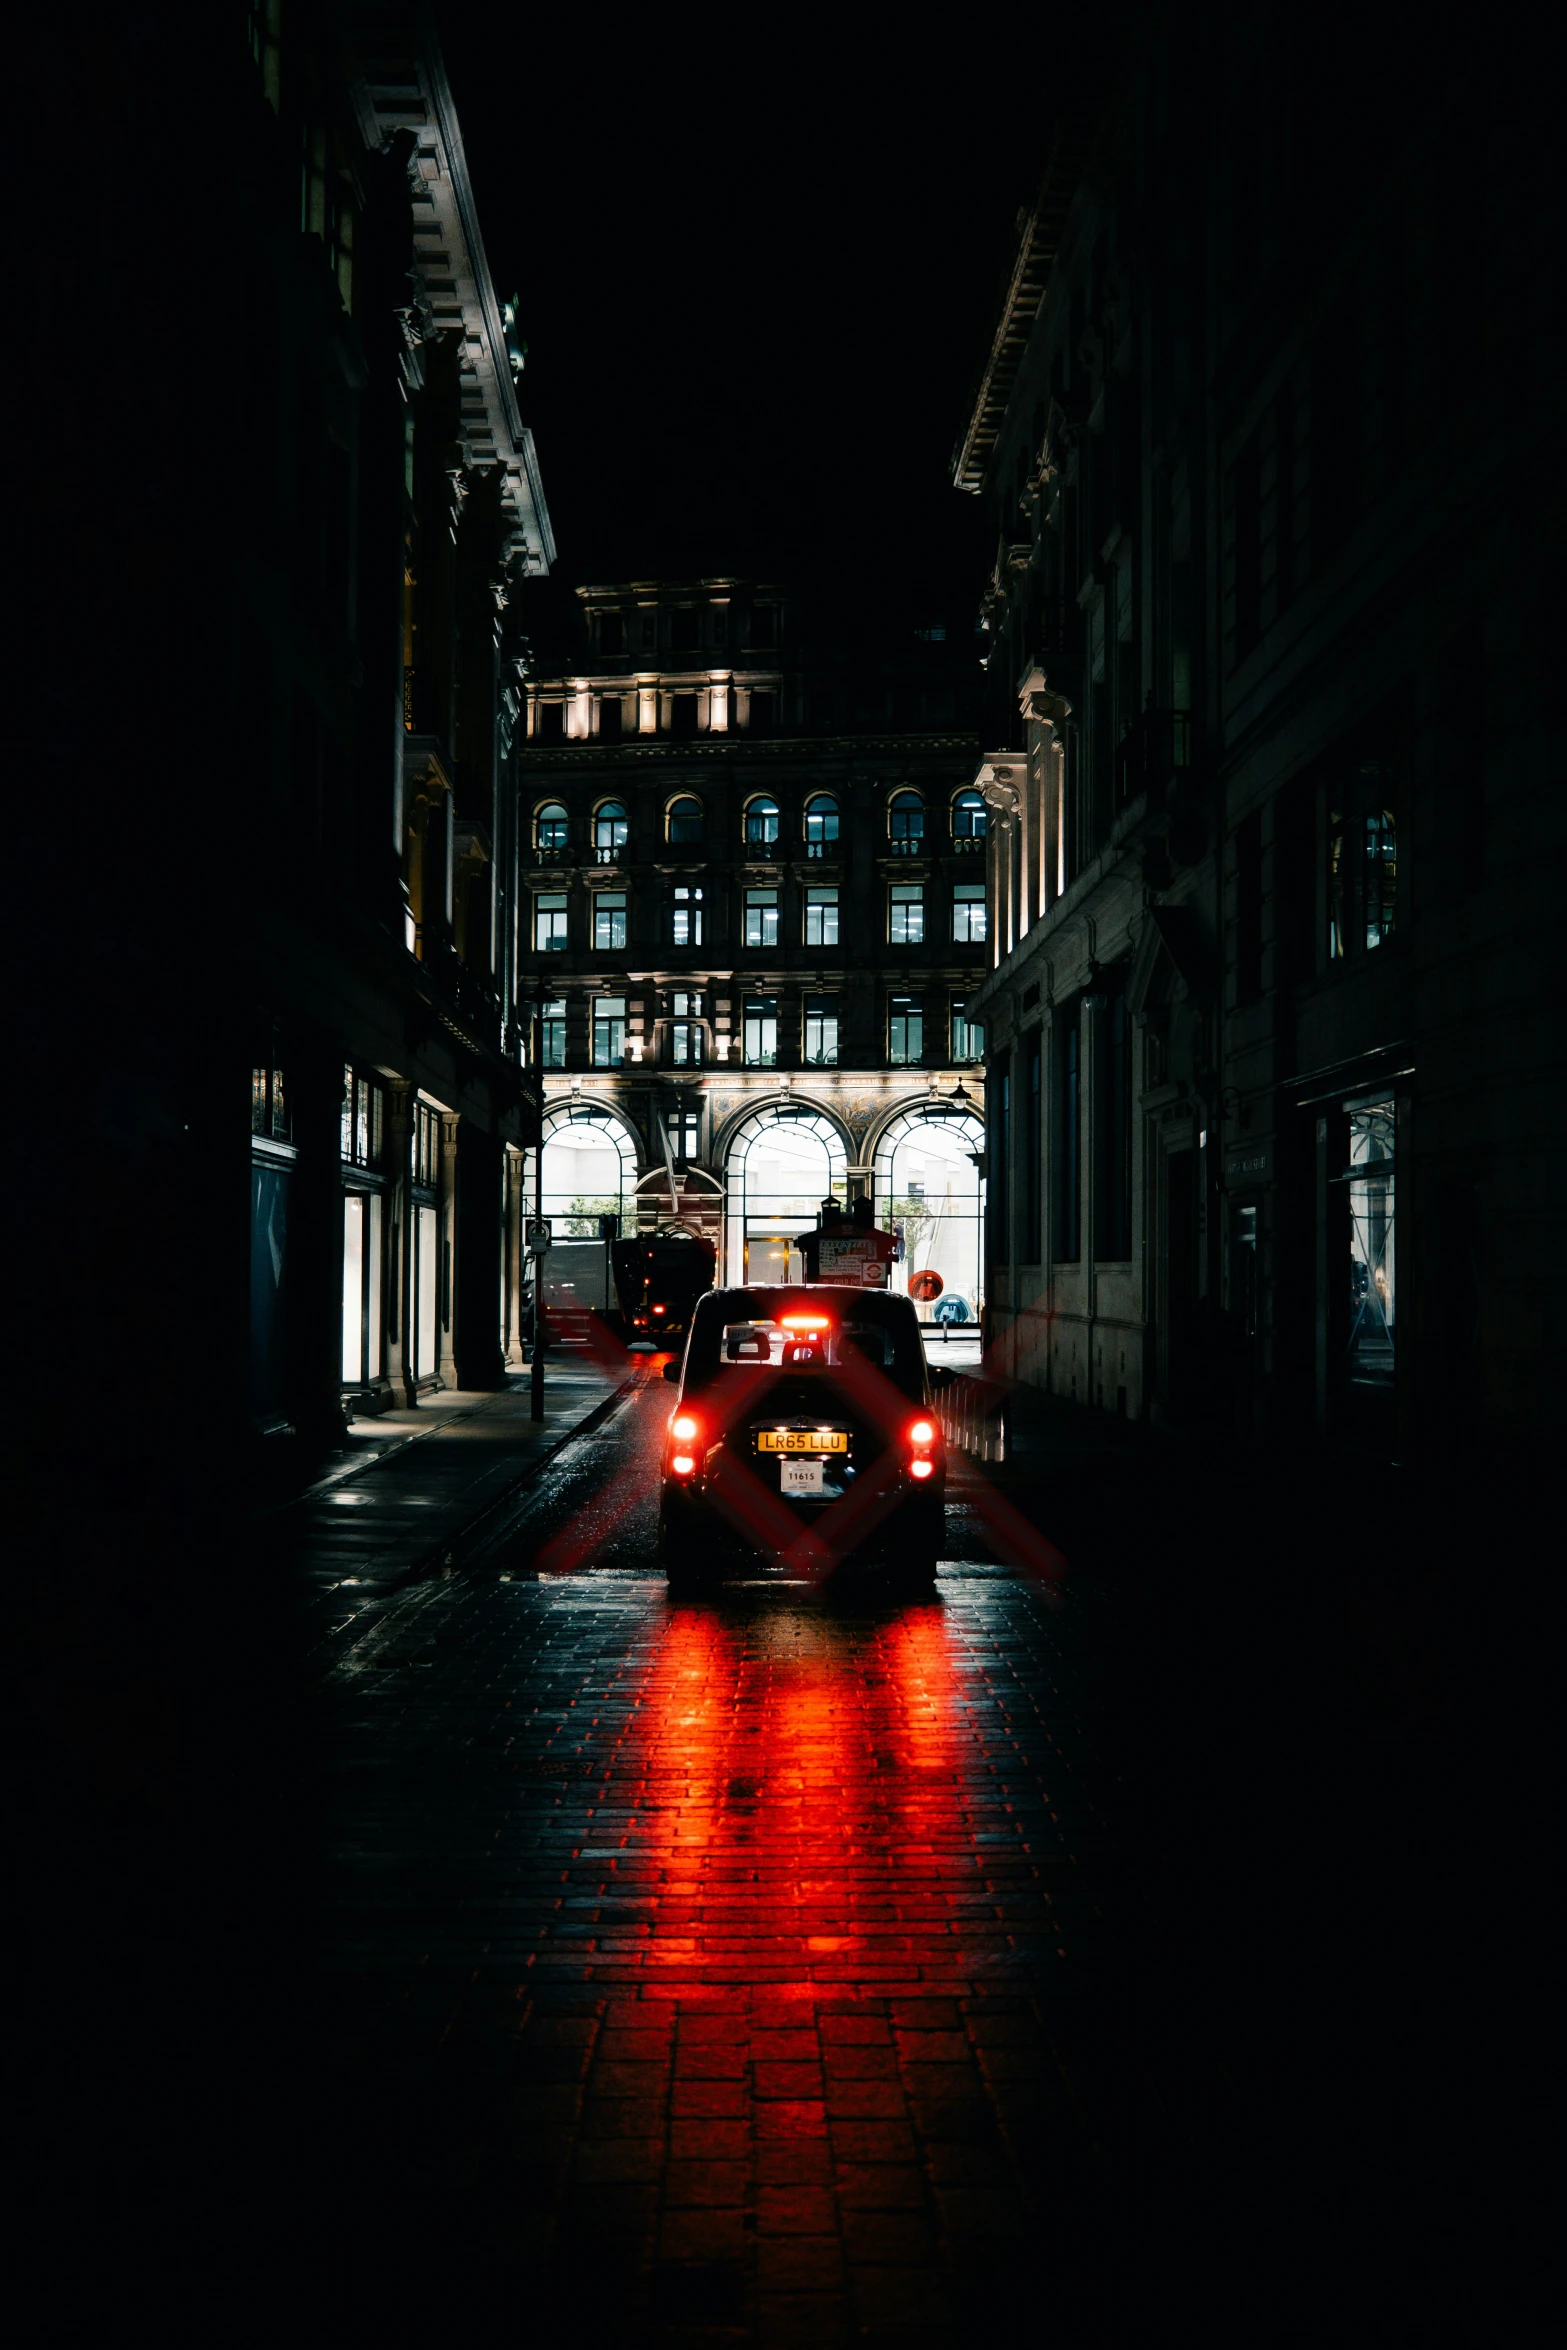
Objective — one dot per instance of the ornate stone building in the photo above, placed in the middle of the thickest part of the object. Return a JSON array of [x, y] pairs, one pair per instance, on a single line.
[[1269, 813], [389, 1105], [757, 923]]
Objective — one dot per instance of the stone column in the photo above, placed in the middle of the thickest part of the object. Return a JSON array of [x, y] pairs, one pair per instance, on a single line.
[[515, 1175], [315, 1300], [446, 1225], [476, 1260]]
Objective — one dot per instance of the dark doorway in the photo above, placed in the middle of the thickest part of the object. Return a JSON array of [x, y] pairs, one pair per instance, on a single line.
[[1180, 1283]]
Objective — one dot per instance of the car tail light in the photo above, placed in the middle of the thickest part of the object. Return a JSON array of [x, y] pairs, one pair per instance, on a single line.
[[806, 1321], [683, 1465], [922, 1436], [684, 1427], [661, 1309]]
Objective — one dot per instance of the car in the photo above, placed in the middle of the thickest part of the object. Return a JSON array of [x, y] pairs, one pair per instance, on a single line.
[[803, 1433]]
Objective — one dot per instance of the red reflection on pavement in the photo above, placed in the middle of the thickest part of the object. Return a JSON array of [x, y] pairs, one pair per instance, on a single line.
[[801, 1809]]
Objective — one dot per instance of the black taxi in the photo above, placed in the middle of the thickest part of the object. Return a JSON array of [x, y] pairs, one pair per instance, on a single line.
[[803, 1434]]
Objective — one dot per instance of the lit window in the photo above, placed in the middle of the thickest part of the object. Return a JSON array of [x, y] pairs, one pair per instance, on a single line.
[[906, 914], [609, 921], [906, 824], [549, 922], [685, 820], [968, 914], [821, 1031], [685, 1033], [611, 831], [821, 915], [761, 1032], [968, 1036], [905, 1029], [553, 829], [609, 1030], [761, 917], [1380, 878], [821, 825], [362, 1113], [970, 817], [683, 916], [552, 1033], [761, 824]]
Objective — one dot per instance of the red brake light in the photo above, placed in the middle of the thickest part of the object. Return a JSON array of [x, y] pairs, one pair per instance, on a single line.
[[683, 1465], [922, 1432], [684, 1427], [806, 1321], [922, 1468]]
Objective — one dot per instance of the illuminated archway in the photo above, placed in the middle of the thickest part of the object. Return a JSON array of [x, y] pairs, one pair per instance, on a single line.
[[590, 1170], [927, 1185], [782, 1161]]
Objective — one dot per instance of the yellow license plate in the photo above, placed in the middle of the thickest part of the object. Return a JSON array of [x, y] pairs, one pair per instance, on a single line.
[[802, 1440]]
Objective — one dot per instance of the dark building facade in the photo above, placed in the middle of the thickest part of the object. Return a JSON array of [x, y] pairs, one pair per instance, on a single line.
[[757, 920], [389, 1108], [1273, 1064]]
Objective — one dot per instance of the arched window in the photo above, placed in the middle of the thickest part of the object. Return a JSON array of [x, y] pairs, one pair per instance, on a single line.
[[761, 824], [590, 1171], [781, 1163], [906, 824], [552, 829], [821, 825], [970, 817], [685, 820], [611, 831], [928, 1189]]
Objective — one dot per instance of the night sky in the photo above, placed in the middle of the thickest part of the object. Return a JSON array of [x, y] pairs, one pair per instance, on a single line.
[[756, 289]]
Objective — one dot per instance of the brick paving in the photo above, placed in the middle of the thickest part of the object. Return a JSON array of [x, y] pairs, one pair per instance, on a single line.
[[722, 1957]]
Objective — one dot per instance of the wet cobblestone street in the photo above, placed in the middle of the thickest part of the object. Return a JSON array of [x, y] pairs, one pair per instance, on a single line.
[[728, 1951]]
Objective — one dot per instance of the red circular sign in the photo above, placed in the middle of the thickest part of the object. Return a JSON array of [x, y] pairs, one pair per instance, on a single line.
[[926, 1287]]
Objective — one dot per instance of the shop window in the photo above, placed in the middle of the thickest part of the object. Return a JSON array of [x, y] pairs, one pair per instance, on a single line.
[[1033, 1141], [549, 922], [761, 917], [821, 1031], [609, 921], [552, 1033], [1112, 1132], [761, 1032], [685, 822], [609, 1031], [905, 1030], [1065, 1126], [968, 1035], [1372, 1262], [268, 1093], [821, 915], [906, 914], [968, 914], [821, 825], [683, 912]]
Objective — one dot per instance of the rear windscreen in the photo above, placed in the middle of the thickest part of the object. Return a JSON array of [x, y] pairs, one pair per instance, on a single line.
[[783, 1330]]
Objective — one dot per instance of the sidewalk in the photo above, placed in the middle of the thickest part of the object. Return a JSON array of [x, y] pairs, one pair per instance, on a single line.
[[412, 1486]]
